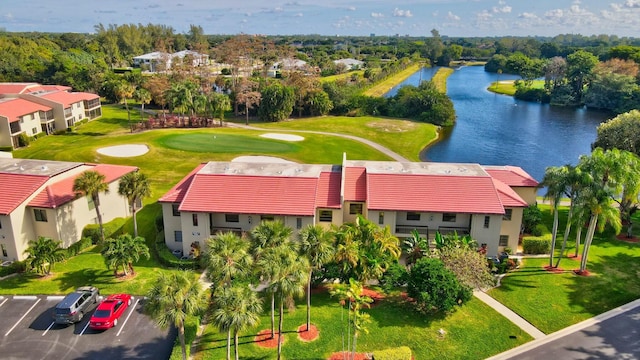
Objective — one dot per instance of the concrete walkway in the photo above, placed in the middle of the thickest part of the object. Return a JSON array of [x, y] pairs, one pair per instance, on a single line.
[[512, 316], [395, 156]]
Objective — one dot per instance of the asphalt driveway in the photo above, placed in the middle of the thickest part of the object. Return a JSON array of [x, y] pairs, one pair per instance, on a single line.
[[27, 331]]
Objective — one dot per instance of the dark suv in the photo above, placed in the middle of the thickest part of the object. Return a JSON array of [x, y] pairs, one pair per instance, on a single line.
[[73, 307]]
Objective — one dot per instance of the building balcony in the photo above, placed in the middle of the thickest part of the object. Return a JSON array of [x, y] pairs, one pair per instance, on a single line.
[[220, 229], [450, 230], [15, 128], [405, 230]]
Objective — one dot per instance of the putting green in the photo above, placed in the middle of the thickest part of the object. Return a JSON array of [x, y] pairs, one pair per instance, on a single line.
[[225, 143]]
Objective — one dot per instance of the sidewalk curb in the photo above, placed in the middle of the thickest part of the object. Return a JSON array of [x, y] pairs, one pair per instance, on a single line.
[[566, 331]]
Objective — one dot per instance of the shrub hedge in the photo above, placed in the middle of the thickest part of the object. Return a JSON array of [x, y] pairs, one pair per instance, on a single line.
[[399, 353], [168, 259], [15, 267], [78, 246], [111, 229], [536, 245]]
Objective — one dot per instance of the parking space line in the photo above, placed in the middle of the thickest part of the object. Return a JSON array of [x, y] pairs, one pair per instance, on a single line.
[[5, 300], [25, 297], [85, 328], [50, 326], [23, 316], [128, 316]]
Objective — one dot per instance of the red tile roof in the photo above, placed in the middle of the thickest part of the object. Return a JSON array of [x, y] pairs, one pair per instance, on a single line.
[[508, 197], [433, 193], [328, 193], [276, 195], [511, 175], [15, 108], [68, 98], [176, 193], [16, 188], [15, 88], [355, 184], [47, 88], [61, 192]]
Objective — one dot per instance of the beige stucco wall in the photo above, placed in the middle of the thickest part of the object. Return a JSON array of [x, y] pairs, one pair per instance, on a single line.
[[527, 194], [336, 218], [346, 217], [490, 235], [31, 122], [5, 133], [511, 228]]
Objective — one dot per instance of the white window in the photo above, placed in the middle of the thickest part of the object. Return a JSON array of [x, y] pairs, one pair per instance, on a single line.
[[487, 221], [326, 216], [507, 214], [504, 240], [40, 214]]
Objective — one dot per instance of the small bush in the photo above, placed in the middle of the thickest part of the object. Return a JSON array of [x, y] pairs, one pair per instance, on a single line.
[[15, 267], [394, 277], [168, 259], [536, 245], [111, 229], [434, 287], [77, 247], [540, 230], [531, 217], [399, 353], [23, 140]]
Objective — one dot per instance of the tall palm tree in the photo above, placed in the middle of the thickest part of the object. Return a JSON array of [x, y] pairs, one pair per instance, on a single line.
[[236, 308], [43, 253], [124, 251], [286, 279], [556, 183], [172, 298], [226, 258], [316, 244], [143, 96], [269, 234], [218, 104], [124, 90], [575, 180], [134, 186], [91, 183]]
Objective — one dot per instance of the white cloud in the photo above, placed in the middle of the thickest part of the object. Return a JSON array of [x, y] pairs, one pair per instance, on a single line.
[[8, 16], [298, 15], [351, 8], [555, 13], [402, 13], [377, 15], [527, 15], [505, 9], [453, 17], [484, 15], [632, 4]]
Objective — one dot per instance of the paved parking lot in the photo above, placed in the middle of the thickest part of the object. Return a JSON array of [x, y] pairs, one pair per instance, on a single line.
[[27, 331]]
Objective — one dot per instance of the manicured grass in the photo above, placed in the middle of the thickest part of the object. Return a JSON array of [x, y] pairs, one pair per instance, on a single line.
[[87, 268], [225, 143], [346, 75], [473, 332], [382, 87], [406, 137], [552, 301], [440, 78], [507, 87]]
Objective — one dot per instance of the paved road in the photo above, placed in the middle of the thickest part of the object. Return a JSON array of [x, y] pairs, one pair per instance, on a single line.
[[612, 335]]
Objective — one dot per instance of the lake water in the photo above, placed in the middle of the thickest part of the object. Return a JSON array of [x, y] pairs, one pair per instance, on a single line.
[[496, 129]]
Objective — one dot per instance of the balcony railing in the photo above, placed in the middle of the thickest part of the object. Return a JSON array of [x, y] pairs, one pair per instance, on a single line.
[[450, 230], [219, 229], [15, 127], [407, 229], [68, 113]]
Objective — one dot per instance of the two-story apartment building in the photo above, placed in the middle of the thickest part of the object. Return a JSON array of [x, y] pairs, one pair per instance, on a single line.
[[37, 199], [33, 109], [427, 197]]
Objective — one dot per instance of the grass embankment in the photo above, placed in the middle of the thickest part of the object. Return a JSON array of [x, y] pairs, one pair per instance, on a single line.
[[508, 87], [343, 76], [406, 137], [440, 78], [552, 301], [382, 87], [473, 332]]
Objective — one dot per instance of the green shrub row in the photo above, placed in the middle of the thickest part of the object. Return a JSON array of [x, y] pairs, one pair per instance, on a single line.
[[6, 148], [540, 230], [111, 229], [77, 247], [167, 259], [536, 245], [399, 353], [15, 267]]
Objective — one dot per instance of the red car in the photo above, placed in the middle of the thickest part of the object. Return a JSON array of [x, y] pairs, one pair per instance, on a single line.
[[109, 310]]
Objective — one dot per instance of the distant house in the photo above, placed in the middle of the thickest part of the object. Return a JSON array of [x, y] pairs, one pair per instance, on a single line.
[[485, 202], [37, 199], [287, 65], [33, 109], [161, 61], [350, 64]]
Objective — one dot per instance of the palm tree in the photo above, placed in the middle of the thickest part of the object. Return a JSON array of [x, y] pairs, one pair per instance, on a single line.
[[91, 183], [226, 258], [556, 183], [286, 279], [173, 297], [42, 252], [316, 244], [574, 181], [416, 247], [218, 104], [268, 235], [237, 308], [124, 90], [124, 251], [135, 187], [351, 295], [143, 96]]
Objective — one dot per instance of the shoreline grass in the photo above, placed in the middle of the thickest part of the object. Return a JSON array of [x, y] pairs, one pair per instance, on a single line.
[[382, 87], [440, 78]]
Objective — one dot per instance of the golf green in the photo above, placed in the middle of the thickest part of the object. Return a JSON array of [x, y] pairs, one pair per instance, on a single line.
[[226, 143]]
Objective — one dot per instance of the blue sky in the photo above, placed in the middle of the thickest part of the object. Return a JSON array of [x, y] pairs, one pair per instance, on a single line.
[[334, 17]]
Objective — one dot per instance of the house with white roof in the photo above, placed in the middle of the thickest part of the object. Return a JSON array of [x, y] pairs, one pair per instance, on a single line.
[[161, 61], [33, 109], [37, 199], [484, 202], [350, 64]]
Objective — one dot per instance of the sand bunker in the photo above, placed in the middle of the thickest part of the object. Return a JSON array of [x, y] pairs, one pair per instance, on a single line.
[[124, 150], [285, 137], [261, 159]]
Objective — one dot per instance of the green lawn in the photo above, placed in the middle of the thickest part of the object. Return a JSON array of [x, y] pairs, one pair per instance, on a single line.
[[440, 78], [507, 87], [343, 76], [475, 331], [552, 301], [87, 268], [406, 137]]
